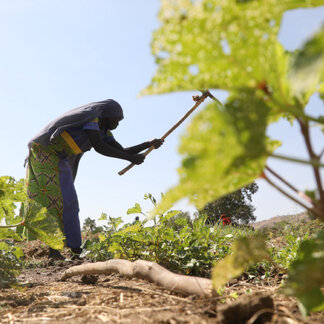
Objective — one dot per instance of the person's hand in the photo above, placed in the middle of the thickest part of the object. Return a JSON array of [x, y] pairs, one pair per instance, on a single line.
[[137, 158], [156, 143]]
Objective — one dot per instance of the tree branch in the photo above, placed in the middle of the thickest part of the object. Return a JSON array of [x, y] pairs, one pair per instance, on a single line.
[[299, 193], [313, 210], [305, 131]]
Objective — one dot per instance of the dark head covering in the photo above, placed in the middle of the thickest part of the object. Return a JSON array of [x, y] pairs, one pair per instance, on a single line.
[[77, 117]]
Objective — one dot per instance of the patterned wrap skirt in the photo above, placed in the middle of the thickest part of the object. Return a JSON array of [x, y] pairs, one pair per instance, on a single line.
[[50, 183]]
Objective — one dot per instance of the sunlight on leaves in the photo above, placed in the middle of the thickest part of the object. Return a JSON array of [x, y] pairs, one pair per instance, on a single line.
[[225, 148]]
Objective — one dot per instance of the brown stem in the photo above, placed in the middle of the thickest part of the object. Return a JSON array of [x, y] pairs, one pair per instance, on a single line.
[[300, 193], [305, 131], [313, 210]]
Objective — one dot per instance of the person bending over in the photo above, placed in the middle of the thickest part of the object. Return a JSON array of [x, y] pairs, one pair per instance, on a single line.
[[54, 155]]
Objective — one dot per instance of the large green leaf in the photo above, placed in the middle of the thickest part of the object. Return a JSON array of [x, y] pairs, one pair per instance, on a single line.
[[225, 148], [306, 275], [307, 71], [42, 224], [226, 44]]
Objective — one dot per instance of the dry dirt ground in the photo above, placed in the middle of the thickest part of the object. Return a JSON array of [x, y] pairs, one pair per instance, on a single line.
[[43, 298]]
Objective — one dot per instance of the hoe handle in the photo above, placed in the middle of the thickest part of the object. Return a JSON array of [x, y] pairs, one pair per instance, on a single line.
[[198, 100]]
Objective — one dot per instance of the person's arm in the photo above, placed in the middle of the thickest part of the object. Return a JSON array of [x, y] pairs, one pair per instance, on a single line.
[[112, 151], [137, 148]]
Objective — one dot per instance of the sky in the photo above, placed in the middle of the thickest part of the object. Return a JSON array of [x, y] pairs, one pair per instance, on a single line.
[[57, 55]]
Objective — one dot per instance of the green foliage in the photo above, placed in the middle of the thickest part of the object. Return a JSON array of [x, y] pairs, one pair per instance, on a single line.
[[306, 275], [284, 239], [307, 71], [89, 225], [135, 210], [236, 205], [11, 193], [32, 218], [174, 240], [42, 225], [246, 251], [9, 263], [225, 44], [232, 45], [215, 158]]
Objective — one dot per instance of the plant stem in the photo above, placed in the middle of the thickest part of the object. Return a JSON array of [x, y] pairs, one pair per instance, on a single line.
[[313, 210], [214, 98], [14, 225], [300, 193], [291, 159], [305, 131]]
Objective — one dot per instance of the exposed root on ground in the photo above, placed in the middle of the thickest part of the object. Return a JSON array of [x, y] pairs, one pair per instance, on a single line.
[[146, 270]]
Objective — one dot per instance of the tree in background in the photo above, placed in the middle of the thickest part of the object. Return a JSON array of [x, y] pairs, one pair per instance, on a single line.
[[89, 225], [180, 220], [236, 205]]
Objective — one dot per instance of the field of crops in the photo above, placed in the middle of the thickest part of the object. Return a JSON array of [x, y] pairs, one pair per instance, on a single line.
[[182, 246]]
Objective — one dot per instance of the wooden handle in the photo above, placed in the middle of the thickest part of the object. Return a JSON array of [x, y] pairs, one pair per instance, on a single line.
[[198, 100], [132, 164]]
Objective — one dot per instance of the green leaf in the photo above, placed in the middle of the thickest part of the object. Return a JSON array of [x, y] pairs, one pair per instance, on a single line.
[[129, 229], [103, 216], [43, 225], [218, 44], [225, 148], [114, 222], [306, 275], [6, 233], [307, 71], [18, 252], [135, 210], [170, 214], [247, 251]]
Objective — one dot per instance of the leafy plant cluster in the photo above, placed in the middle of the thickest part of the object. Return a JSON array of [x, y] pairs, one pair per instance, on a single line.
[[195, 247], [190, 245], [21, 219], [172, 240], [11, 194]]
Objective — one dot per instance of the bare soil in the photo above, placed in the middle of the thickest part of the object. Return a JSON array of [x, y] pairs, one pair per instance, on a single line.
[[42, 297]]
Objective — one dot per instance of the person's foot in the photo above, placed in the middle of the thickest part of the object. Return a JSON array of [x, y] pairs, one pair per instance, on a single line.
[[55, 255], [76, 253]]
